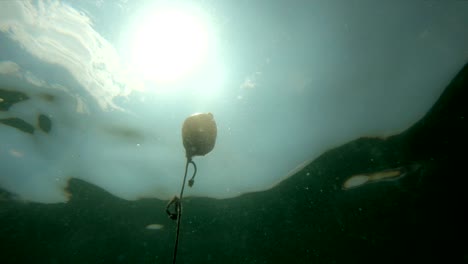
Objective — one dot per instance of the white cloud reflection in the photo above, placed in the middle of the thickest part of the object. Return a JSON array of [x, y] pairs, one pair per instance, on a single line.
[[58, 34], [8, 67]]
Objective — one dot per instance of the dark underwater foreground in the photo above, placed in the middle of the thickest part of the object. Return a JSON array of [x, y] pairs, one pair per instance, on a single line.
[[307, 218]]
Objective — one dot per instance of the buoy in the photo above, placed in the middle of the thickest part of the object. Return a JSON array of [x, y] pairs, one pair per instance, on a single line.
[[199, 137], [199, 134]]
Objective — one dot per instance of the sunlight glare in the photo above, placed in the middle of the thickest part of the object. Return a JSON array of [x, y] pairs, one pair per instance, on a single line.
[[169, 45]]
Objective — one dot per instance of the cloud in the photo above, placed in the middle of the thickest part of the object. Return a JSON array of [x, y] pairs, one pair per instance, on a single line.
[[8, 67], [11, 68], [250, 82], [33, 79], [58, 34]]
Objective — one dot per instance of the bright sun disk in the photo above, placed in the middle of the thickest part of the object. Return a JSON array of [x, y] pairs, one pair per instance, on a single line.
[[169, 45]]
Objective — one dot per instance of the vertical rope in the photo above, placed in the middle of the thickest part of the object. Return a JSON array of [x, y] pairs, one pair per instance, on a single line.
[[179, 206]]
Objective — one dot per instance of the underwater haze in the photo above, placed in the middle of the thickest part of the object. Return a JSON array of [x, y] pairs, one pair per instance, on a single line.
[[285, 82], [337, 123]]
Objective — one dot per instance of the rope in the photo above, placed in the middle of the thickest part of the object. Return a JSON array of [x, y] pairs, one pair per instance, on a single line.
[[178, 205], [192, 180]]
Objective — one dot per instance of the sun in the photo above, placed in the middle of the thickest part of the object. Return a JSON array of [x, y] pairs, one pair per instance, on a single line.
[[168, 45]]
